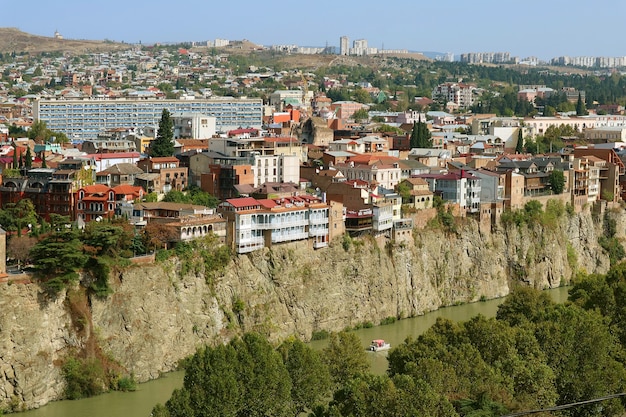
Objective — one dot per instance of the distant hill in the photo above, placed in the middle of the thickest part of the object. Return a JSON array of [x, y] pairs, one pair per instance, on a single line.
[[431, 54], [14, 40]]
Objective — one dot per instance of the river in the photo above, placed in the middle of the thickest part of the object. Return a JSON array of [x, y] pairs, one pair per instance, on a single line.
[[140, 402]]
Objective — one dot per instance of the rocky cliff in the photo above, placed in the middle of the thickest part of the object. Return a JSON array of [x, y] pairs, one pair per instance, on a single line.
[[158, 315]]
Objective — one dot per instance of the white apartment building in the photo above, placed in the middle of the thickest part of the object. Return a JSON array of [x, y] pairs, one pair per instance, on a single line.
[[193, 126], [84, 119], [276, 168], [254, 224], [461, 187], [458, 93], [344, 45]]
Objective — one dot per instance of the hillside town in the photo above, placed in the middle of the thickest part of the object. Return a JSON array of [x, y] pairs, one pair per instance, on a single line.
[[284, 160]]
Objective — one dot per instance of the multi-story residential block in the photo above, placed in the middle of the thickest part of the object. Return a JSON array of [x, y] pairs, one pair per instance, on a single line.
[[85, 119], [458, 93], [538, 125], [168, 174], [189, 221], [367, 144], [118, 174], [461, 188], [282, 98], [276, 168], [103, 161], [606, 134], [344, 45], [101, 146], [374, 172], [193, 126], [95, 202], [420, 195], [610, 169], [52, 191], [254, 224], [345, 109]]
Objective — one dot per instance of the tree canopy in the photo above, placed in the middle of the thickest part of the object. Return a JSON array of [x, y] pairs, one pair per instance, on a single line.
[[420, 136], [163, 144]]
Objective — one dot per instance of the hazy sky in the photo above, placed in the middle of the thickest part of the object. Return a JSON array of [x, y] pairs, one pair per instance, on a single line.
[[546, 28]]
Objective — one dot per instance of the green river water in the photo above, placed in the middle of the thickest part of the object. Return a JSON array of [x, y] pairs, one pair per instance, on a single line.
[[140, 402]]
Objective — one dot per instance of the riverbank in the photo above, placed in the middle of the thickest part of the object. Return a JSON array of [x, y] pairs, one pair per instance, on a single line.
[[139, 403]]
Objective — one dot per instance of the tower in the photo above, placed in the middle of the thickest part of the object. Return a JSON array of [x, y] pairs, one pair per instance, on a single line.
[[344, 43]]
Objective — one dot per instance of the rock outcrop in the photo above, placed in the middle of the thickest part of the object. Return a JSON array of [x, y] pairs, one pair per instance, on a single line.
[[158, 315]]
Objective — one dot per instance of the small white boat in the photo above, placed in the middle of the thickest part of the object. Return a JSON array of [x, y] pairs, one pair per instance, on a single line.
[[378, 345]]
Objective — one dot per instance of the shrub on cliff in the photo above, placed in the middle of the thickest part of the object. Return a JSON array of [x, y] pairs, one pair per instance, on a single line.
[[83, 378]]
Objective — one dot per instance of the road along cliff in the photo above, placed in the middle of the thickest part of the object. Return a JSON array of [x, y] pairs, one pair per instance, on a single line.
[[160, 313]]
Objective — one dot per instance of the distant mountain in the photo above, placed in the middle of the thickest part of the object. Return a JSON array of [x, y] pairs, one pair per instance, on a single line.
[[14, 40]]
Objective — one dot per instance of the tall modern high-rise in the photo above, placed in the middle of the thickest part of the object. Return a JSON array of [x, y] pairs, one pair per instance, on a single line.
[[84, 119], [344, 45]]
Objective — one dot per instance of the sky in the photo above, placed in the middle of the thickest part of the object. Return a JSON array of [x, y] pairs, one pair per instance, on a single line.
[[544, 29]]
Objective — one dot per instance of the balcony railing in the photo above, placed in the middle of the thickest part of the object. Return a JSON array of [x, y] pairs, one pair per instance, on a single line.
[[288, 237]]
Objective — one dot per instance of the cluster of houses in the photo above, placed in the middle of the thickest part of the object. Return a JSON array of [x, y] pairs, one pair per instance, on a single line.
[[299, 167], [274, 189]]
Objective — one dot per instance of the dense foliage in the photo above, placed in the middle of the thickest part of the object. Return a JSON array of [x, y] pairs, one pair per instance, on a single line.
[[534, 354]]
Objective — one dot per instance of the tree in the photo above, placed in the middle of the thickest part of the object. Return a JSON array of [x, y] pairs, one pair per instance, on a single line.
[[519, 146], [157, 235], [57, 258], [360, 115], [17, 216], [556, 179], [247, 377], [163, 145], [14, 165], [420, 136], [580, 106], [362, 96], [28, 161], [38, 131], [310, 379], [19, 248], [345, 357]]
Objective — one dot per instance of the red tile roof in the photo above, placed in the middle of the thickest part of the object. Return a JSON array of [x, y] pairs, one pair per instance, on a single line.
[[243, 202]]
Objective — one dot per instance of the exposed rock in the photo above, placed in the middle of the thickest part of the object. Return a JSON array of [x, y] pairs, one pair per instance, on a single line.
[[156, 317]]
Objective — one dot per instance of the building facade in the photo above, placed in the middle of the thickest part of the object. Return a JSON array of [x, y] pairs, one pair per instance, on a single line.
[[254, 224], [84, 119]]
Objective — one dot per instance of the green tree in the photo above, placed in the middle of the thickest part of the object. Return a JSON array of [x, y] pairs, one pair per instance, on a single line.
[[420, 136], [310, 378], [556, 179], [247, 377], [580, 106], [57, 258], [38, 131], [519, 146], [345, 357], [362, 96], [163, 145], [360, 115], [28, 161], [17, 216]]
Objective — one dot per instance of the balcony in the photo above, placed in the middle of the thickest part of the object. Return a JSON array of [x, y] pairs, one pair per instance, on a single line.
[[319, 244], [288, 237], [318, 232]]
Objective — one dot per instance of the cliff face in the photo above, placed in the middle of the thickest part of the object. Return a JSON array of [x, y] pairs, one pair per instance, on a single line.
[[157, 316]]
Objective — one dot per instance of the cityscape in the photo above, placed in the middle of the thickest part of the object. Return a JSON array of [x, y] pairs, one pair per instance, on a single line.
[[259, 217]]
